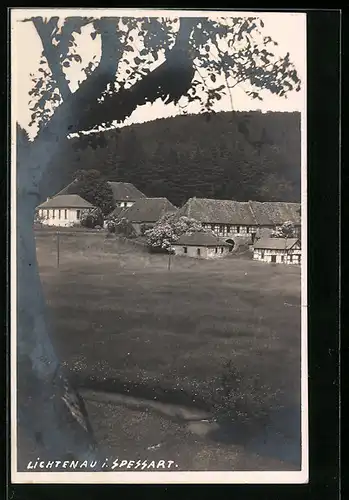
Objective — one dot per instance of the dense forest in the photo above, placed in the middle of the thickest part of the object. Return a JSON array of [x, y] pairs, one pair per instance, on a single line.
[[240, 156]]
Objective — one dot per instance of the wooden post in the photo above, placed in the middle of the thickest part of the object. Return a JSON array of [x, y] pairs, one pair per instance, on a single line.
[[57, 241], [169, 259]]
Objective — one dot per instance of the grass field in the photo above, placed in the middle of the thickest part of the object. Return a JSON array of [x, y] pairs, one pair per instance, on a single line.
[[122, 321]]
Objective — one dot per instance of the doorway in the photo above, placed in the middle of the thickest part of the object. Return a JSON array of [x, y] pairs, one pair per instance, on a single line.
[[273, 258]]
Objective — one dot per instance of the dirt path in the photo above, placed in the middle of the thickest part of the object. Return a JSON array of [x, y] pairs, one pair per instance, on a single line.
[[130, 429]]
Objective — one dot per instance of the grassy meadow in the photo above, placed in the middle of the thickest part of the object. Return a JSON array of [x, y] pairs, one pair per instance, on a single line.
[[122, 321]]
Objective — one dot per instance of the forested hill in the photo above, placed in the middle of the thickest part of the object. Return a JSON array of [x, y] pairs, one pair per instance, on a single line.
[[240, 156]]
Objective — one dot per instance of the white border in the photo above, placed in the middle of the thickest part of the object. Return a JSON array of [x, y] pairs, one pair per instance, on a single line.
[[205, 477]]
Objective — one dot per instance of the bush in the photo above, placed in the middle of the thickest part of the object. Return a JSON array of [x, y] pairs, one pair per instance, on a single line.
[[169, 229], [92, 218], [242, 400], [121, 227], [145, 227]]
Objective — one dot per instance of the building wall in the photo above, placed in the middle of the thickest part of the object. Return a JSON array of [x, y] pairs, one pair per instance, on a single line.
[[205, 252], [64, 217], [241, 229], [230, 229], [281, 256]]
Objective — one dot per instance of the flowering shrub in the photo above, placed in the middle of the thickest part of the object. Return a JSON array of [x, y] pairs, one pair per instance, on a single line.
[[120, 226], [91, 218], [287, 230], [169, 229]]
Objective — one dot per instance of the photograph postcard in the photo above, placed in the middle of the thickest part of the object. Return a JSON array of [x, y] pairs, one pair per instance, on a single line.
[[158, 246]]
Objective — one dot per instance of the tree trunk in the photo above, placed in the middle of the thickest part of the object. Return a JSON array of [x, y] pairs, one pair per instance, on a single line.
[[52, 420]]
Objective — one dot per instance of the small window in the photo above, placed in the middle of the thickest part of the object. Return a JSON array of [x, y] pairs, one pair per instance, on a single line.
[[247, 229], [238, 229], [59, 214], [213, 227], [262, 254], [198, 251], [53, 214], [221, 229], [185, 249], [66, 214], [222, 250], [216, 250], [228, 229], [78, 214], [282, 258]]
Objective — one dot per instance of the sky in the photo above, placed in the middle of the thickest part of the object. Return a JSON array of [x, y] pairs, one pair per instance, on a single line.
[[288, 29]]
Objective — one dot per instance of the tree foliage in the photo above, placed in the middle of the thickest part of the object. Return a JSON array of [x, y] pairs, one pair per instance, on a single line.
[[94, 188], [169, 229], [182, 157], [287, 230], [91, 218]]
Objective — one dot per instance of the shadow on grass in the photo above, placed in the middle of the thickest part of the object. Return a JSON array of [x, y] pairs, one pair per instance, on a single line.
[[140, 390], [279, 437]]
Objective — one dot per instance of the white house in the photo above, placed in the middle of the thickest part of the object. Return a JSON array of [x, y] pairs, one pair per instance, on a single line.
[[125, 194], [63, 210], [280, 250], [205, 245]]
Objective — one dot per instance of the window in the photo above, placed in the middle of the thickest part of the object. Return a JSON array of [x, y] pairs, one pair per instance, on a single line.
[[222, 250], [282, 258], [185, 249], [198, 251], [78, 214], [213, 227], [221, 229], [247, 229], [216, 250], [53, 214], [262, 254], [59, 214], [228, 229], [66, 214], [237, 229], [273, 258]]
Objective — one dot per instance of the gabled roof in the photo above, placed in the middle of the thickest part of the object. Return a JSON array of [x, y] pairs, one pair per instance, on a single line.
[[117, 212], [275, 212], [218, 211], [275, 243], [122, 191], [251, 213], [201, 238], [148, 210], [125, 191], [66, 201]]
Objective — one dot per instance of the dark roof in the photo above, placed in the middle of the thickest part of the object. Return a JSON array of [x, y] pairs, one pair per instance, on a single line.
[[235, 212], [203, 239], [275, 243], [217, 211], [148, 210], [275, 212], [117, 212], [122, 191], [66, 201]]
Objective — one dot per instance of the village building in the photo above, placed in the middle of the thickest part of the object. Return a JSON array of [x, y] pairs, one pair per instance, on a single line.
[[63, 210], [228, 218], [204, 245], [145, 212], [125, 194], [278, 250]]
